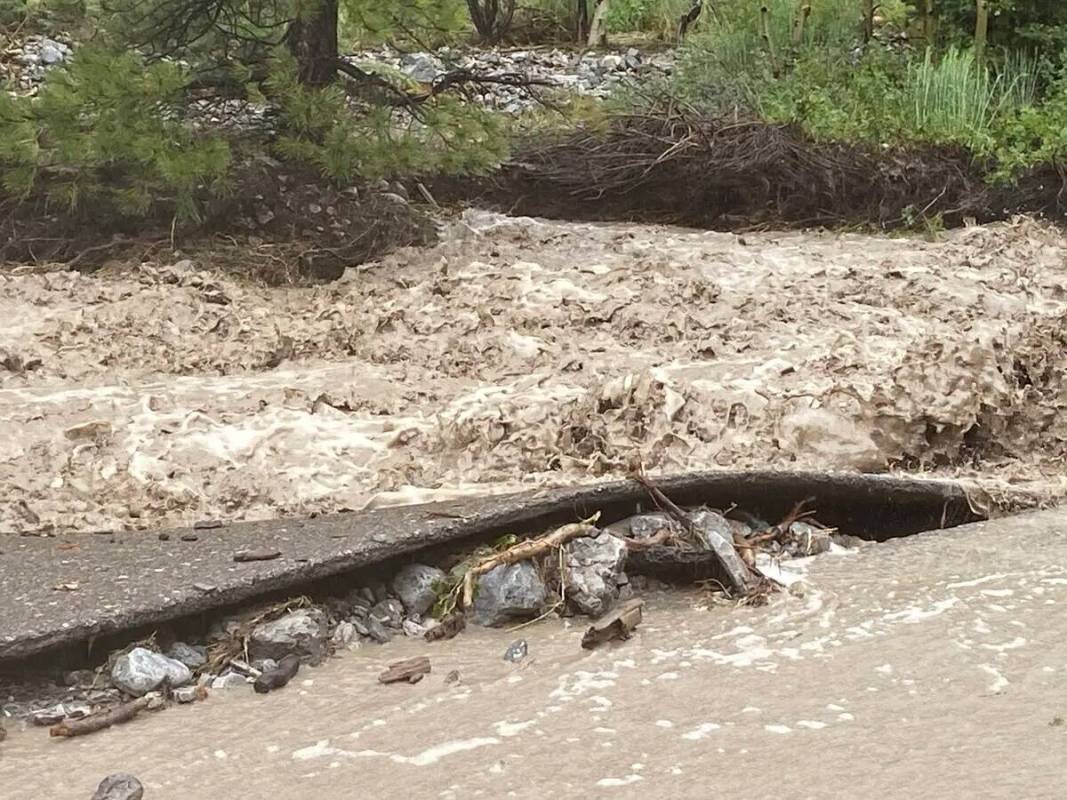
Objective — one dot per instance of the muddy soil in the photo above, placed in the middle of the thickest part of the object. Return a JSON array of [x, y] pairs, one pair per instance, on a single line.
[[524, 353]]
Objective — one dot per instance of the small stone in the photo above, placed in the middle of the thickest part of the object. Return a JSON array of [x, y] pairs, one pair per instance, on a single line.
[[265, 665], [229, 680], [302, 632], [59, 712], [51, 52], [367, 594], [516, 651], [120, 786], [389, 612], [343, 635], [415, 586], [141, 670], [187, 694], [507, 592], [360, 626], [192, 657], [413, 628], [810, 541], [452, 677], [155, 700], [380, 592]]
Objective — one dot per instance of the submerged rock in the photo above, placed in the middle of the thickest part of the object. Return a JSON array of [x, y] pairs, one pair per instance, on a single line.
[[414, 585], [141, 670], [516, 651], [508, 592], [594, 568], [120, 786], [301, 632]]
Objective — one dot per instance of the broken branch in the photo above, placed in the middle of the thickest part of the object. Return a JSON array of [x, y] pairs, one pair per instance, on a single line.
[[98, 722]]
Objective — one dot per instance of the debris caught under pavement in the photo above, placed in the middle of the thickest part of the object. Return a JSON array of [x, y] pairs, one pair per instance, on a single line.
[[279, 676], [100, 721], [411, 670], [616, 625]]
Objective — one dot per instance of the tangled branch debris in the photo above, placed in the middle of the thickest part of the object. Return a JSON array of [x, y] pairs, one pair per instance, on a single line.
[[671, 164], [98, 722], [524, 550]]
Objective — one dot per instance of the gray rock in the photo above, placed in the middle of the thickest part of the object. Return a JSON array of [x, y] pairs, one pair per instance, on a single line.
[[516, 651], [361, 626], [419, 67], [414, 585], [508, 592], [52, 52], [594, 565], [120, 786], [377, 631], [715, 534], [264, 664], [343, 635], [192, 657], [141, 670], [301, 632], [413, 629], [229, 680], [388, 612], [641, 526]]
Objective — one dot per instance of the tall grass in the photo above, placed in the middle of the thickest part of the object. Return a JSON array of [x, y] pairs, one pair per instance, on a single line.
[[956, 96]]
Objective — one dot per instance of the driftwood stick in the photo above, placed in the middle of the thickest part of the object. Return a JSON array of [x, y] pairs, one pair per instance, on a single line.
[[98, 722]]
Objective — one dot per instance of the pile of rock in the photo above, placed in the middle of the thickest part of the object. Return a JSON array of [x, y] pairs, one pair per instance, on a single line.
[[584, 73], [26, 62]]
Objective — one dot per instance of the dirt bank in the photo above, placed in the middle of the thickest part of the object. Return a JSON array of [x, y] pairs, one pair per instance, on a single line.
[[522, 353]]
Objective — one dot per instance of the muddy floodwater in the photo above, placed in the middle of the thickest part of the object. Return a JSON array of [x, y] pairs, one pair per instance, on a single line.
[[524, 353], [931, 666]]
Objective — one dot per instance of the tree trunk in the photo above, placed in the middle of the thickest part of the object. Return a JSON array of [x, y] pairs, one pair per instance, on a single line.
[[598, 35], [689, 17], [581, 21], [312, 40], [981, 28], [868, 20]]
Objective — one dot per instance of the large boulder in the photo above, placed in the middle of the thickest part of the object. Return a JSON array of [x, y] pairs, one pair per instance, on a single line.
[[302, 633], [414, 585], [508, 592], [141, 670], [594, 569]]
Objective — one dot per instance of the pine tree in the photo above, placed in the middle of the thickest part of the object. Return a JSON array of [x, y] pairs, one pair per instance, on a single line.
[[113, 131]]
